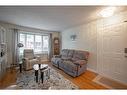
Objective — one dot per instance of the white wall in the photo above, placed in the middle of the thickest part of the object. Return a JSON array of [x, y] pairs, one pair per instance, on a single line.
[[88, 39], [9, 35]]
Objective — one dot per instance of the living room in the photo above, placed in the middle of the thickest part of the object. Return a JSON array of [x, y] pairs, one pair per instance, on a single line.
[[63, 47]]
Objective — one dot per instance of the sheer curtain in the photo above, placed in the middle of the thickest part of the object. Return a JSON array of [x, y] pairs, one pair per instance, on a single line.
[[14, 47], [14, 51], [50, 47]]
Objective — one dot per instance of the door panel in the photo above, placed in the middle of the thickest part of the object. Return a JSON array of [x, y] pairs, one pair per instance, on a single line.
[[112, 61]]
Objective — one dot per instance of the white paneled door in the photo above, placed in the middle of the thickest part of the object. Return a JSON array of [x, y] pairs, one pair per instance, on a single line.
[[112, 41]]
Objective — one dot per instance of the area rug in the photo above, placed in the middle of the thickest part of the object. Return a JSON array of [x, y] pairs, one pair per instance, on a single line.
[[26, 80]]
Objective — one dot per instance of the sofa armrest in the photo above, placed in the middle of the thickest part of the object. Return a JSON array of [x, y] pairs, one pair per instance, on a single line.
[[80, 62], [37, 57], [56, 56], [24, 59]]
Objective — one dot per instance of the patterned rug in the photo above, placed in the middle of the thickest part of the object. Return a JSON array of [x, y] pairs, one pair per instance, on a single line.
[[26, 80]]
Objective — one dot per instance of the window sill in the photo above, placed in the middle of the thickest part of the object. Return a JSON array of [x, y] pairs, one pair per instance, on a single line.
[[21, 54], [41, 53]]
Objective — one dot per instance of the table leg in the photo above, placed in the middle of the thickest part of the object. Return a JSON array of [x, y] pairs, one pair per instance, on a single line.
[[20, 66], [49, 74], [42, 76], [36, 75]]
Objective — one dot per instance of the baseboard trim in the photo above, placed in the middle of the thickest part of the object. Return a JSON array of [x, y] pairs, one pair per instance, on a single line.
[[107, 76], [96, 81], [119, 81], [91, 70]]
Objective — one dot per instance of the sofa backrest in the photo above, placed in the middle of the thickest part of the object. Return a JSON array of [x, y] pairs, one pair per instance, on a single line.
[[70, 54], [64, 54], [74, 54], [29, 53], [80, 55]]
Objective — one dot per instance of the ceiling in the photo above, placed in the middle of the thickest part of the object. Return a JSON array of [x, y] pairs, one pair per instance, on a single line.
[[50, 18]]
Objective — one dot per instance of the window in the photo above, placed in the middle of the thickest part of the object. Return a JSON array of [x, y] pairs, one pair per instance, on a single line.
[[45, 43], [40, 43], [30, 41]]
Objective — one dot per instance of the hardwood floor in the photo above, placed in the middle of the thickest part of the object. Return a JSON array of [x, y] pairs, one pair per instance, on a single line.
[[85, 81], [8, 79]]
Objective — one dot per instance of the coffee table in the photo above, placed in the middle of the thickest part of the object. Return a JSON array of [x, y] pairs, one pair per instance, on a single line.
[[36, 69], [44, 72], [44, 69], [20, 67]]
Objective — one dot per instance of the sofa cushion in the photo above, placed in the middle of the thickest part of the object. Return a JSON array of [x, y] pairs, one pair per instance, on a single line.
[[80, 55], [64, 54], [80, 62], [70, 66], [29, 53], [33, 61], [55, 60], [70, 54]]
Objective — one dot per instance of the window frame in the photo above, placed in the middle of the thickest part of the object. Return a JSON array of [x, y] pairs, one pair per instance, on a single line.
[[35, 41], [34, 34], [27, 40]]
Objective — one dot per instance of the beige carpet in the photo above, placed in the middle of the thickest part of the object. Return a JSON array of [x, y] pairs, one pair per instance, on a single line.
[[109, 83]]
